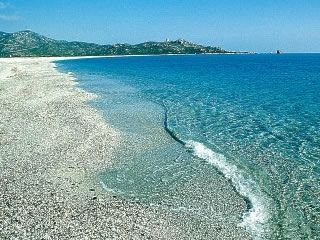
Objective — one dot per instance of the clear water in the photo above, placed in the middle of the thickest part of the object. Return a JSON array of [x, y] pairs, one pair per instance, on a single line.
[[195, 121]]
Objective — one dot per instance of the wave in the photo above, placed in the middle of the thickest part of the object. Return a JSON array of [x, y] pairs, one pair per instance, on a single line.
[[256, 218]]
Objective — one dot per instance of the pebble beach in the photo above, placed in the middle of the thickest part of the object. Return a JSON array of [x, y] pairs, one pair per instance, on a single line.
[[52, 145]]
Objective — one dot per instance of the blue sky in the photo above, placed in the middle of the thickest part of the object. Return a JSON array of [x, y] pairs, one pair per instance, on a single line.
[[253, 25]]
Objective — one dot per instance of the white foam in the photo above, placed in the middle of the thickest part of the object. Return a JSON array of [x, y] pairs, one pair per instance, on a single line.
[[255, 220]]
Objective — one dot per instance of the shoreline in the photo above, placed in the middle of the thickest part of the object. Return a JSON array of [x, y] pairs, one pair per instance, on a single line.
[[174, 148], [62, 58], [52, 145]]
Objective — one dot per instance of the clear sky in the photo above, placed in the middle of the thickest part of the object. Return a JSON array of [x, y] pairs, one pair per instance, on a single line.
[[253, 25]]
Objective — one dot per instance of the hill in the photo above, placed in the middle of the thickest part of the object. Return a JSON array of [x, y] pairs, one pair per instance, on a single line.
[[31, 44]]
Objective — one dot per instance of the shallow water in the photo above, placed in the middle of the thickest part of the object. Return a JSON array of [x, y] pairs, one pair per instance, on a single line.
[[248, 123]]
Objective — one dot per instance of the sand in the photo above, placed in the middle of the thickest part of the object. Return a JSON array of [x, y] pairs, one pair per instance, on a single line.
[[52, 144]]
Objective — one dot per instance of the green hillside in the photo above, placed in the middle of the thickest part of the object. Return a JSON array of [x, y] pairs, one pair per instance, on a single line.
[[31, 44]]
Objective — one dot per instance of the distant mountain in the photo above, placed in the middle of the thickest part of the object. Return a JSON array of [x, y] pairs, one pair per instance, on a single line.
[[31, 44]]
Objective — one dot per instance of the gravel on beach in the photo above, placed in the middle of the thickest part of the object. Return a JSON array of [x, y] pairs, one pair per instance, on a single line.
[[52, 144]]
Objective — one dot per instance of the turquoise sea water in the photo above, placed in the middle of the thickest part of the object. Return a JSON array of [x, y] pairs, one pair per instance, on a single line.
[[189, 121]]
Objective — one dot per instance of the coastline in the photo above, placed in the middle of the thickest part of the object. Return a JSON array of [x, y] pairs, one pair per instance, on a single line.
[[155, 148], [53, 59], [52, 145]]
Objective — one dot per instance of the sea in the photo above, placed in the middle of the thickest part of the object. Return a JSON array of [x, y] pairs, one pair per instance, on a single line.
[[218, 138]]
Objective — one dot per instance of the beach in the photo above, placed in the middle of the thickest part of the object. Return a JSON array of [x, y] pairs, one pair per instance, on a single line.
[[52, 145]]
